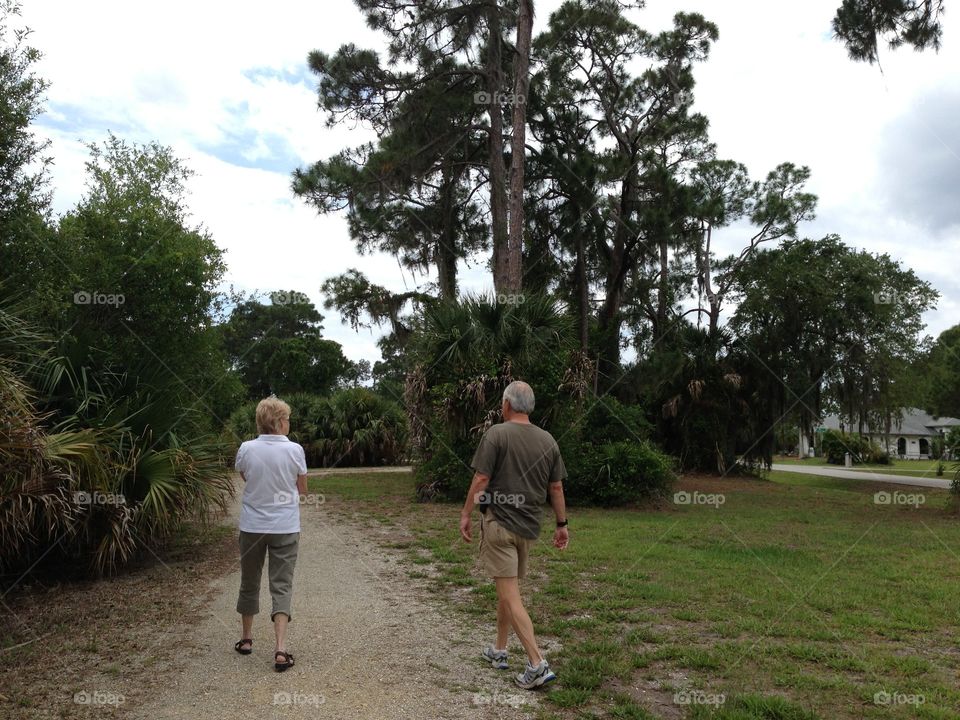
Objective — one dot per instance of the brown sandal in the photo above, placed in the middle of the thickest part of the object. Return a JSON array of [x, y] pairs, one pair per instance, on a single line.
[[239, 646], [287, 660]]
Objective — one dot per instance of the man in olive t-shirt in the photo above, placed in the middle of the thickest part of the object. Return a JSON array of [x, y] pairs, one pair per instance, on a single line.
[[517, 469]]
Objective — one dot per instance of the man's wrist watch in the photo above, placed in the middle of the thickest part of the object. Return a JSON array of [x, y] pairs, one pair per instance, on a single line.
[[562, 523]]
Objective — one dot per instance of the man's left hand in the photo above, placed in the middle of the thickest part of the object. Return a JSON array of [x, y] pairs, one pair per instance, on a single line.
[[465, 532]]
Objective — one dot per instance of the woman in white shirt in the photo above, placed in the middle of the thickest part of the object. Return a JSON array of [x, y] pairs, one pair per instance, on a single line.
[[274, 471]]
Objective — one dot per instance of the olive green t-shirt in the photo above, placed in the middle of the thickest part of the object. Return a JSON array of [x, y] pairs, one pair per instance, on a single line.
[[521, 460]]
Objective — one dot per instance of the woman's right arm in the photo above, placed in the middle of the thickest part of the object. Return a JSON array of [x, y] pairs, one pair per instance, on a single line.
[[238, 464]]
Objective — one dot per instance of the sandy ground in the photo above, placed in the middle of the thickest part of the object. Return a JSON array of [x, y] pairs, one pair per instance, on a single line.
[[368, 643]]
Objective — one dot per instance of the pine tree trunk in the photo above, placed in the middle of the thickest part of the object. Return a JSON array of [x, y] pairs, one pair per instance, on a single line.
[[446, 252], [521, 75], [583, 292], [609, 319], [498, 170], [663, 290]]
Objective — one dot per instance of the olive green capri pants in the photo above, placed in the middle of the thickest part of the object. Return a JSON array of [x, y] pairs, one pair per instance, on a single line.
[[283, 559]]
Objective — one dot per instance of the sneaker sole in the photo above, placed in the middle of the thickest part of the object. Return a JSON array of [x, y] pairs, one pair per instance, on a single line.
[[539, 682]]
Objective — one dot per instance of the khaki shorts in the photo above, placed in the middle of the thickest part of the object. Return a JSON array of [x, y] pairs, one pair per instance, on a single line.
[[502, 553]]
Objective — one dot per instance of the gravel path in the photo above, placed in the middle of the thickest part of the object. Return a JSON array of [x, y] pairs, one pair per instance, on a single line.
[[368, 643]]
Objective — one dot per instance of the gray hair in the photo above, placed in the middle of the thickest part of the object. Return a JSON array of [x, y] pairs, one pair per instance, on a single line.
[[520, 397]]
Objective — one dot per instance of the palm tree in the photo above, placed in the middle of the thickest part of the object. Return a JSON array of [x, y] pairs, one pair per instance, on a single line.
[[93, 465], [701, 401], [465, 353]]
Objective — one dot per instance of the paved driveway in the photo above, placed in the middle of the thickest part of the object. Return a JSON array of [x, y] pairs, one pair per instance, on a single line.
[[839, 472]]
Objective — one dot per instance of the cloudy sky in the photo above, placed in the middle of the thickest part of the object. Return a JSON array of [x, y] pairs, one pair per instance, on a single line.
[[226, 85]]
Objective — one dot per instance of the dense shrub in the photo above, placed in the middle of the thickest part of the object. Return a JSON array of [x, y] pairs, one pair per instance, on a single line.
[[626, 469], [95, 467], [445, 473], [351, 428], [951, 444], [618, 473], [937, 447], [613, 473], [609, 420], [954, 502], [468, 352], [835, 446]]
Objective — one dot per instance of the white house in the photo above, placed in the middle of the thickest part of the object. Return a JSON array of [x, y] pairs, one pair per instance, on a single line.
[[910, 437]]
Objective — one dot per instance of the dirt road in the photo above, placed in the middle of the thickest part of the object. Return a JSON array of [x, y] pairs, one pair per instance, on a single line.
[[367, 641]]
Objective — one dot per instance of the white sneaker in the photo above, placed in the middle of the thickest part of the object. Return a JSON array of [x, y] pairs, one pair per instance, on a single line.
[[497, 658], [535, 676]]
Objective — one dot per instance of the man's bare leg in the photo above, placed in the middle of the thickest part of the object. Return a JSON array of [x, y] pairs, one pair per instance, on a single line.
[[503, 624], [508, 591]]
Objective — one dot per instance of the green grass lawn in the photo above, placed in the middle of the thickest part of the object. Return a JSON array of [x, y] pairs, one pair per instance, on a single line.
[[791, 460], [797, 597]]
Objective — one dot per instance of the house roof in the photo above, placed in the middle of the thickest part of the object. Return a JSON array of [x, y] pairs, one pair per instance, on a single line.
[[913, 422]]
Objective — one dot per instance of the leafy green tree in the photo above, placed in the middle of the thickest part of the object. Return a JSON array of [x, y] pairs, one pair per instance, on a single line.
[[108, 362], [352, 427], [23, 165], [140, 281], [409, 195], [278, 347], [610, 110], [938, 373], [364, 304], [862, 24], [448, 64], [828, 326], [724, 196], [74, 433], [952, 442], [25, 242], [626, 169]]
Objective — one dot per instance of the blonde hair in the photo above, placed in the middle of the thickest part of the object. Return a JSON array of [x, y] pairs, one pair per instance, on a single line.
[[271, 412]]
